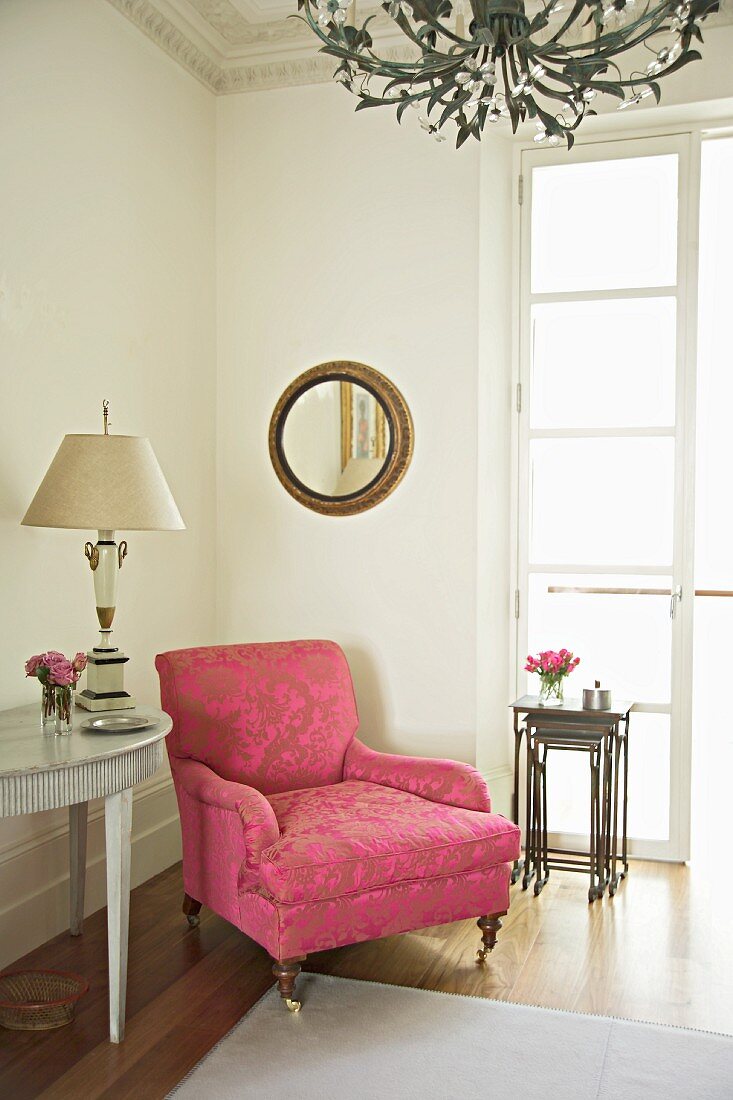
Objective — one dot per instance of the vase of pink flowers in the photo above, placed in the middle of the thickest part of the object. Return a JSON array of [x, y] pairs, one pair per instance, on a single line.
[[58, 677], [552, 667]]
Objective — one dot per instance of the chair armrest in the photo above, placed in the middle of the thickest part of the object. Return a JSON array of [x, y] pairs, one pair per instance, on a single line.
[[259, 824], [445, 781]]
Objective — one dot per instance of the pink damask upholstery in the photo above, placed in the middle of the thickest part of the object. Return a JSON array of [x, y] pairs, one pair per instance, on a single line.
[[298, 833], [276, 716], [437, 780], [353, 836]]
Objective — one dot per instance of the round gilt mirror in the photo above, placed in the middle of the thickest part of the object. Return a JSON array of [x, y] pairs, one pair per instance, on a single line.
[[341, 438]]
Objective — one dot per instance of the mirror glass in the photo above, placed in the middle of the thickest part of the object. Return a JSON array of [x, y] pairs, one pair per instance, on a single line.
[[336, 438]]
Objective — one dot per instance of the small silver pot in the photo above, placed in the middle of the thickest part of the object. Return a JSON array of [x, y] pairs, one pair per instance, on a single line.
[[596, 698]]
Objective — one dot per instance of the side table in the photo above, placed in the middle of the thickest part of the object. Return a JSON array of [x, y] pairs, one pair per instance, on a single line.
[[42, 772], [594, 742], [613, 729]]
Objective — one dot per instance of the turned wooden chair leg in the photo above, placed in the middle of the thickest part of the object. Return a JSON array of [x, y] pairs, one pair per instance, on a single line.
[[286, 971], [191, 909], [489, 931]]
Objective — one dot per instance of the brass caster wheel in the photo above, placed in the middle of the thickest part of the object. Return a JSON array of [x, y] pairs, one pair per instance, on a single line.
[[292, 1006], [194, 920], [481, 956]]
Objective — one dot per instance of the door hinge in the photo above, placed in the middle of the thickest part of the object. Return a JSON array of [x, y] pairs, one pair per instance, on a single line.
[[676, 598], [516, 603], [520, 190], [519, 397]]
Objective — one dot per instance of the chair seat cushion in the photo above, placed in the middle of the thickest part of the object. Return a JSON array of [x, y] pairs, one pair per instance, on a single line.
[[352, 836]]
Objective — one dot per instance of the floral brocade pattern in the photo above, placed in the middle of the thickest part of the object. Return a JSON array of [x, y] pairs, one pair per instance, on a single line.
[[254, 813], [276, 715], [292, 930], [353, 836], [299, 834], [445, 781]]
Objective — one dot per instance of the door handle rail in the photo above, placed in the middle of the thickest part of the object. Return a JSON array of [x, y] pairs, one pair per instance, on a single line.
[[598, 591]]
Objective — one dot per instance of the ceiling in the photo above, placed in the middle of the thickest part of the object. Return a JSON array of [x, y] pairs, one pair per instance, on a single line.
[[244, 45], [247, 11]]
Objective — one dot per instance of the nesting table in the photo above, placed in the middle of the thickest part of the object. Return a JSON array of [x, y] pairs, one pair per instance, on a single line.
[[42, 772], [603, 736]]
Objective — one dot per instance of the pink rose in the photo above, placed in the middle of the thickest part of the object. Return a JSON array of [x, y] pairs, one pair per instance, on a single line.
[[552, 663], [33, 664], [62, 673], [79, 662], [50, 656]]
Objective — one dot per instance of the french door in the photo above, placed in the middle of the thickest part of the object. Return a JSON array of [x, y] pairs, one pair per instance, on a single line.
[[605, 458]]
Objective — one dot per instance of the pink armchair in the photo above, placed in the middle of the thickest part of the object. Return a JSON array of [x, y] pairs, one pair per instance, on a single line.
[[299, 834]]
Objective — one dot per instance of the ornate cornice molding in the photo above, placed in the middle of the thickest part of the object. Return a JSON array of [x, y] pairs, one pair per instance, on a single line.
[[159, 29], [239, 34], [252, 70], [275, 74], [230, 77], [318, 69]]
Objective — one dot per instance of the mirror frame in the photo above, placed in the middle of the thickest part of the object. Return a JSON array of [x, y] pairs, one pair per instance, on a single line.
[[401, 441]]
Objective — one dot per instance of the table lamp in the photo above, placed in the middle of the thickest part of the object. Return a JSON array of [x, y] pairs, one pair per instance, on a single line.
[[108, 483]]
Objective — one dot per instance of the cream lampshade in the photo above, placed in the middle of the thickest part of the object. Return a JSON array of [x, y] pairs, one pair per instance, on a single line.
[[108, 483]]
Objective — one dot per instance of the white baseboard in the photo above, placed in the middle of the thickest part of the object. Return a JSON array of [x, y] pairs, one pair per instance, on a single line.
[[501, 788], [34, 874]]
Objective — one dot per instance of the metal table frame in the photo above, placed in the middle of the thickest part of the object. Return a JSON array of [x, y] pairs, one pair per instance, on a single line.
[[604, 736]]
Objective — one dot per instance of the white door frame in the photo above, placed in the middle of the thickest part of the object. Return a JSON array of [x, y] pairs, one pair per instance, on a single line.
[[687, 147]]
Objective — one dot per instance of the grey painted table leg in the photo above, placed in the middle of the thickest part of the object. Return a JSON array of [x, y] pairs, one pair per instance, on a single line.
[[118, 821], [77, 865]]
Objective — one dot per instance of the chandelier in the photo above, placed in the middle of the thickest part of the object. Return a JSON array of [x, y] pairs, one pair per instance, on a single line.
[[503, 59]]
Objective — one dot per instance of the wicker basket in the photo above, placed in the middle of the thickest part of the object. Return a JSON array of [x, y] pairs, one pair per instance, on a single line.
[[38, 1000]]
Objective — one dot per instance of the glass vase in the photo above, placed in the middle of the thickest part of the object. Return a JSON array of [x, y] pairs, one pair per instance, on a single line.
[[48, 707], [64, 710], [551, 691]]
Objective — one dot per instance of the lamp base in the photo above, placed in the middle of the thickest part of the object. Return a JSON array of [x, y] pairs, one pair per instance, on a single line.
[[105, 688], [89, 701]]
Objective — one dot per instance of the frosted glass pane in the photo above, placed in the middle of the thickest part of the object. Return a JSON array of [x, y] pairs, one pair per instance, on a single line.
[[568, 784], [568, 793], [604, 225], [625, 641], [714, 529], [604, 364], [601, 501], [649, 777]]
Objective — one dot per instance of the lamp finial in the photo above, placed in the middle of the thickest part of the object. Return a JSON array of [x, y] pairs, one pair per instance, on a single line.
[[105, 415]]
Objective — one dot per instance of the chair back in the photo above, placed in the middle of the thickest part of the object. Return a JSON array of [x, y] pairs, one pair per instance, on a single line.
[[277, 716]]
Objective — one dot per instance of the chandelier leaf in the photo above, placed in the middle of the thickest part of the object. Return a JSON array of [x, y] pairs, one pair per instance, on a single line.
[[498, 62]]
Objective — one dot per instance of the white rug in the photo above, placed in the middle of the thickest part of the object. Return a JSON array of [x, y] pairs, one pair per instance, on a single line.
[[363, 1041]]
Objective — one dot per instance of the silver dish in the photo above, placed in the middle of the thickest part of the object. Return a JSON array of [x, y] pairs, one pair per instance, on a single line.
[[117, 723]]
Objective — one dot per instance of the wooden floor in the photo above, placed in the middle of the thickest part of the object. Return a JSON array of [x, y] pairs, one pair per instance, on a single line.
[[661, 950]]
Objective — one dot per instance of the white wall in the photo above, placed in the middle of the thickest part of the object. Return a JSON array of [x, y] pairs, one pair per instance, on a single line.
[[107, 290], [498, 222], [337, 237]]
